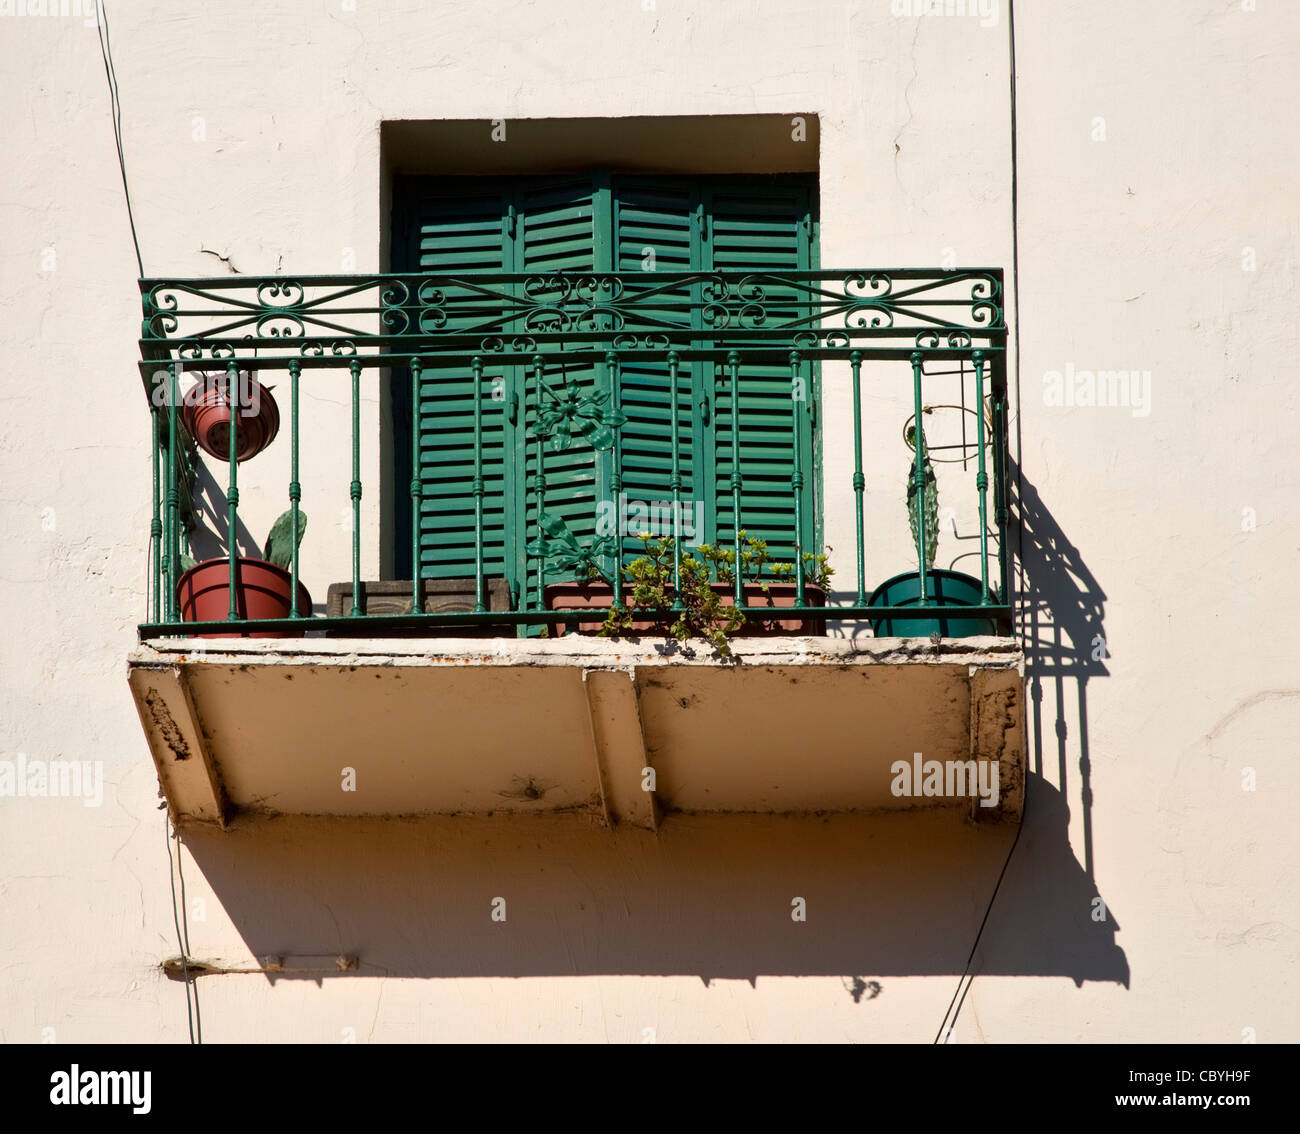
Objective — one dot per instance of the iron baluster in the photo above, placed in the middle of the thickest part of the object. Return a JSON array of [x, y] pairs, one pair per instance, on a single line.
[[859, 481], [796, 475], [675, 479], [295, 487], [417, 571], [156, 567], [477, 368], [738, 582], [232, 493], [616, 476], [918, 479], [355, 486], [981, 476]]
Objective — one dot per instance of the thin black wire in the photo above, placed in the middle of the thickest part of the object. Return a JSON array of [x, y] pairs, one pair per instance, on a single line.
[[115, 106], [1015, 268], [1015, 271], [185, 922], [106, 50], [945, 1024], [180, 944]]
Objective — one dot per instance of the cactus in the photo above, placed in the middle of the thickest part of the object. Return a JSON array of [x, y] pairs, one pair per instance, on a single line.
[[279, 541], [923, 509]]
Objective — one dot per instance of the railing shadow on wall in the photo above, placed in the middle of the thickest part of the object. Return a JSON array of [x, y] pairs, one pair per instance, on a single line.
[[1062, 610]]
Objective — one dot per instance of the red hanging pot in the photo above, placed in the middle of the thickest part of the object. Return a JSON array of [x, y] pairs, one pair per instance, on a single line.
[[207, 416]]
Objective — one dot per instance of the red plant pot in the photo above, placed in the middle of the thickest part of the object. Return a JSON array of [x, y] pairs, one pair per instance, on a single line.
[[777, 596], [262, 590], [207, 417], [588, 596]]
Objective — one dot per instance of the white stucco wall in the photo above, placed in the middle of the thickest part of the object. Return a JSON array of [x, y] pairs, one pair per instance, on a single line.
[[252, 130]]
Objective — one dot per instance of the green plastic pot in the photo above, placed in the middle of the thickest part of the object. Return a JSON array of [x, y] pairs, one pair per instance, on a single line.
[[944, 588]]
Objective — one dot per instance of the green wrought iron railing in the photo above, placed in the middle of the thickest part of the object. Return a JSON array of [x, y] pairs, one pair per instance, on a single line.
[[371, 327]]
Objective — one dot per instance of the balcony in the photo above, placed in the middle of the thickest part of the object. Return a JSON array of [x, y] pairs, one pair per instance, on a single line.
[[611, 587]]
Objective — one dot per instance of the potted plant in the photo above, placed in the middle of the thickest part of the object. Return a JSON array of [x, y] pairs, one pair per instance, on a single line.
[[780, 591], [942, 587], [708, 591], [263, 587], [206, 413], [693, 610]]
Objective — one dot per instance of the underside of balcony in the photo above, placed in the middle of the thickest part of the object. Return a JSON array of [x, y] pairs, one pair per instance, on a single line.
[[611, 731]]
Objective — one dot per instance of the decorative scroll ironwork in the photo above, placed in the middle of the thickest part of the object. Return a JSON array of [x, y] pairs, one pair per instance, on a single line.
[[598, 322], [387, 316]]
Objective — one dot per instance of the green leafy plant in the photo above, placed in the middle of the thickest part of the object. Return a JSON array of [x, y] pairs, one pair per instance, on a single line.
[[721, 561], [923, 505], [694, 610], [817, 570], [279, 547], [755, 558]]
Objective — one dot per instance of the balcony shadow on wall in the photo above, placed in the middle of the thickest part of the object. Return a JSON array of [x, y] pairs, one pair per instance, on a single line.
[[1062, 610], [897, 894]]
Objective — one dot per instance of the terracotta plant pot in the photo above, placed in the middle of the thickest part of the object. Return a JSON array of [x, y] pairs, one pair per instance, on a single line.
[[588, 596], [207, 416], [262, 590], [777, 596]]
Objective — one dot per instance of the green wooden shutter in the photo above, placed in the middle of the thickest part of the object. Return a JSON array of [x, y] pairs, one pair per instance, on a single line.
[[554, 233], [582, 224], [454, 228], [656, 228], [764, 225]]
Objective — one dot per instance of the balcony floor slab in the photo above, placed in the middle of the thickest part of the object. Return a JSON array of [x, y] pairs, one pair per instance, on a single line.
[[626, 730]]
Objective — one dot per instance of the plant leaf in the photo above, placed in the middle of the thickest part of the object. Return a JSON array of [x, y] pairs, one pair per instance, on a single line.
[[925, 509], [279, 541]]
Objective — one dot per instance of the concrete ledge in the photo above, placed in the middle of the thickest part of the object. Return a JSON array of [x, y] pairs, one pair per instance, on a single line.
[[584, 650], [623, 731]]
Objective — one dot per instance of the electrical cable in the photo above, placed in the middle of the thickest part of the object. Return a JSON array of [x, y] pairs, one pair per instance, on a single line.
[[115, 106], [1015, 268], [947, 1025], [185, 922], [180, 944]]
